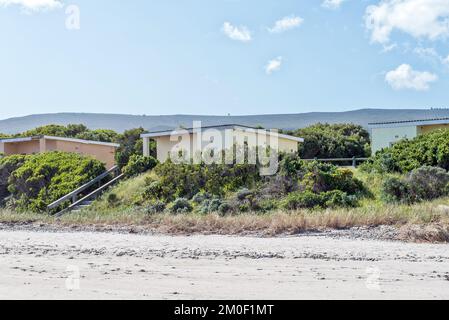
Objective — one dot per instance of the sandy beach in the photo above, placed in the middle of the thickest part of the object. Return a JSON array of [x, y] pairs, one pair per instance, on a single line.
[[96, 265]]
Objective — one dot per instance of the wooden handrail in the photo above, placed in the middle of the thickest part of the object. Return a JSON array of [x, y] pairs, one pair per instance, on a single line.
[[337, 159], [354, 160], [90, 195], [73, 195]]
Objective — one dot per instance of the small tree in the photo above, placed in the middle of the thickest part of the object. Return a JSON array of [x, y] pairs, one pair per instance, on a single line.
[[333, 141]]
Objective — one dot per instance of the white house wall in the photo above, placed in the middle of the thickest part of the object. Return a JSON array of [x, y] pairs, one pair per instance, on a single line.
[[385, 137]]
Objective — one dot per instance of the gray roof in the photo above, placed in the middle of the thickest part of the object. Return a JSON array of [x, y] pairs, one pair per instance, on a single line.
[[410, 122], [155, 134]]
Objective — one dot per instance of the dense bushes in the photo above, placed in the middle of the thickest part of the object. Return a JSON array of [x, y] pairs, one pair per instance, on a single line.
[[333, 141], [69, 131], [102, 135], [7, 166], [186, 180], [130, 144], [155, 207], [232, 189], [78, 131], [316, 176], [425, 183], [322, 177], [180, 205], [138, 164], [309, 199], [431, 149], [34, 181]]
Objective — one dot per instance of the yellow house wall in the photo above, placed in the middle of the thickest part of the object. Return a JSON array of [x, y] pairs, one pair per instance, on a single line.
[[105, 154], [26, 147], [287, 145], [430, 128], [165, 146]]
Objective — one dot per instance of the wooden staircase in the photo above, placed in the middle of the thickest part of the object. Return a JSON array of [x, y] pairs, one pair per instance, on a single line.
[[78, 198], [83, 205]]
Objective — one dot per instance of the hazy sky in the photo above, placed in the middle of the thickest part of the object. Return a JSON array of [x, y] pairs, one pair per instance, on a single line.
[[222, 56]]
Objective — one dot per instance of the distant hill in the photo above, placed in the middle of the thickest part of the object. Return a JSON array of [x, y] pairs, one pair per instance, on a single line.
[[120, 122]]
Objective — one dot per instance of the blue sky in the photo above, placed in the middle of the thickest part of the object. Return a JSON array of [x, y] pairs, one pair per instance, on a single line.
[[211, 57]]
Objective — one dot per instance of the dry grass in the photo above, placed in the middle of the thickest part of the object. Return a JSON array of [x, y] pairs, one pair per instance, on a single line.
[[299, 221], [421, 222], [425, 233]]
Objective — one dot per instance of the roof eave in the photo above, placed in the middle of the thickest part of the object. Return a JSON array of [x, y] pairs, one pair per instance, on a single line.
[[235, 127], [27, 139]]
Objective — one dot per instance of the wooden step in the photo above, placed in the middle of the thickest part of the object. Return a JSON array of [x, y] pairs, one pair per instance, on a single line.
[[88, 200]]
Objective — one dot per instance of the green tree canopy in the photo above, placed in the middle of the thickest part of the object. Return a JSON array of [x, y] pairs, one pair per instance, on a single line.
[[102, 135], [69, 131], [130, 144], [325, 140]]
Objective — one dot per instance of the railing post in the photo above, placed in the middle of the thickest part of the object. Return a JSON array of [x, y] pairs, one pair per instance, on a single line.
[[354, 162], [74, 198]]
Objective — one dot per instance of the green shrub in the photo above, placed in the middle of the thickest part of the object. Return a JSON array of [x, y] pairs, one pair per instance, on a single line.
[[7, 166], [186, 180], [209, 205], [395, 190], [431, 149], [200, 197], [180, 205], [308, 199], [425, 183], [4, 136], [298, 200], [69, 131], [203, 208], [244, 207], [245, 200], [266, 205], [155, 207], [322, 177], [131, 144], [244, 194], [337, 198], [214, 204], [316, 184], [153, 190], [102, 135], [278, 186], [43, 178], [344, 140], [290, 165], [138, 164], [112, 199], [224, 208]]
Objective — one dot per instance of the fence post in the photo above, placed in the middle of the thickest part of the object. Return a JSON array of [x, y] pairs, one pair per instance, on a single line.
[[354, 162]]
